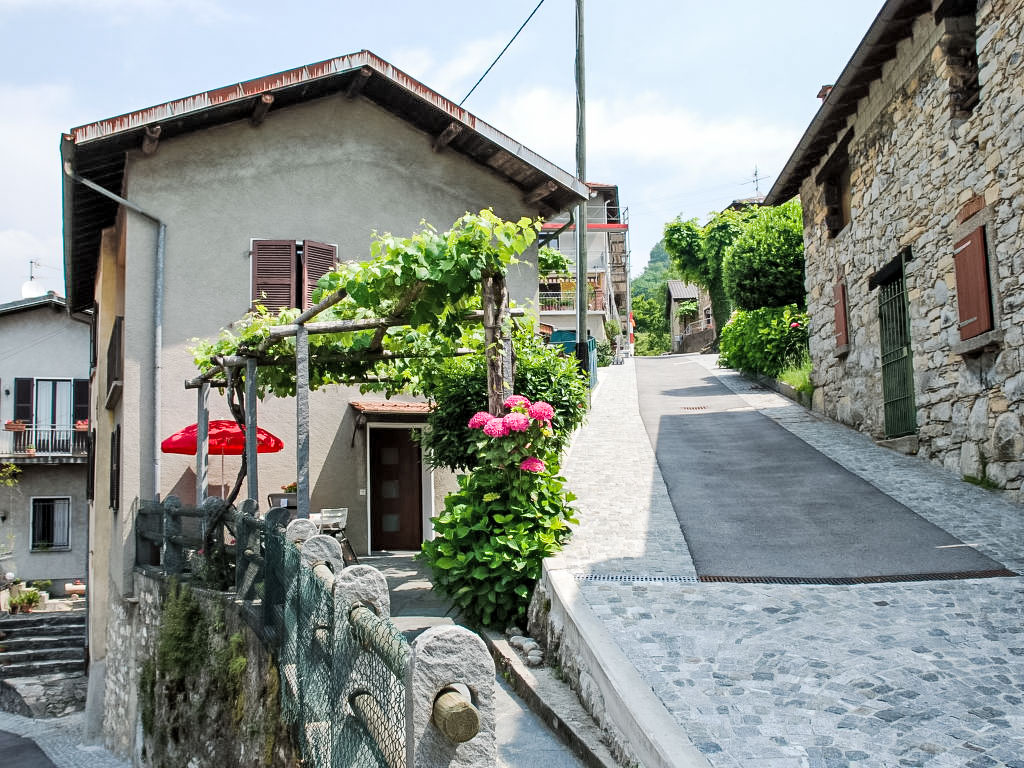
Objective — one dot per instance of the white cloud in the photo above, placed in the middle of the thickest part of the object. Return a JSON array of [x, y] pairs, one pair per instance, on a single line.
[[202, 11], [454, 75]]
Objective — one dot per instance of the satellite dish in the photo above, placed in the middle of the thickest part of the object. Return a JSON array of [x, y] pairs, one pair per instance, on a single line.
[[30, 289]]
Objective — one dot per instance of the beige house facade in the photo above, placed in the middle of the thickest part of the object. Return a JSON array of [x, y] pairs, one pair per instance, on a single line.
[[913, 198], [171, 214]]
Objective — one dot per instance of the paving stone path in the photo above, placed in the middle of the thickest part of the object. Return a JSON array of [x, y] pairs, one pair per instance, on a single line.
[[927, 674], [60, 738]]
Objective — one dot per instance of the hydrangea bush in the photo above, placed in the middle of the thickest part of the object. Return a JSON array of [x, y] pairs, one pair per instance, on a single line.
[[509, 514]]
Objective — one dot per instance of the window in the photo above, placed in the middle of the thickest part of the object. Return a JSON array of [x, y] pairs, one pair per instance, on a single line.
[[115, 469], [974, 298], [285, 272], [51, 524], [960, 45], [50, 408], [834, 179]]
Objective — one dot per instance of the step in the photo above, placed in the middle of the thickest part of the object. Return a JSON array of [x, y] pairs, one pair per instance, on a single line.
[[28, 642], [39, 654], [38, 620], [36, 668], [42, 630]]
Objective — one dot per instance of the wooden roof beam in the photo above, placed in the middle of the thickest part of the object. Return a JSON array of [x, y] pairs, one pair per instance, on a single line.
[[445, 138], [259, 111], [151, 139], [358, 83], [539, 193]]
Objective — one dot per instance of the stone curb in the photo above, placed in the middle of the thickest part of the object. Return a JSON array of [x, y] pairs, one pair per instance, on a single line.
[[585, 745], [632, 707]]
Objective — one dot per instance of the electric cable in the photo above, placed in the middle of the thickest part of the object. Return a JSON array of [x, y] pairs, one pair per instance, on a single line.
[[501, 54]]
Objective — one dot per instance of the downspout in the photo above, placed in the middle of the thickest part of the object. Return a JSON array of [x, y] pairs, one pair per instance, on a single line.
[[158, 309]]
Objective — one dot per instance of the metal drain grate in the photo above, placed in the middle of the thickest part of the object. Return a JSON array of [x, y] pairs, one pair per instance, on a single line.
[[622, 578], [693, 408], [847, 580]]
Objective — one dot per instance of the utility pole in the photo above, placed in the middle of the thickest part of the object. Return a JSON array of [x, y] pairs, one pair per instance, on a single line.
[[582, 348]]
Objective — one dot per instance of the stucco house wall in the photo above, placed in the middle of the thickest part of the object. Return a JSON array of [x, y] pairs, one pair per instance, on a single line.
[[313, 171], [40, 341], [922, 178]]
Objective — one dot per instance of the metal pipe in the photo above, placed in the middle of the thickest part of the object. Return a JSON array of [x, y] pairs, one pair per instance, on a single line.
[[302, 421], [158, 309], [582, 348], [251, 444]]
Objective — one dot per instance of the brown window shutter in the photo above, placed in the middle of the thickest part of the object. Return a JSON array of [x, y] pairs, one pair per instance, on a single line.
[[24, 390], [972, 289], [273, 273], [317, 260], [80, 394], [842, 335]]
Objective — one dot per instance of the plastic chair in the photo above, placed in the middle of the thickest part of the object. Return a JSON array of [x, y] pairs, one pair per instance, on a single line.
[[333, 521]]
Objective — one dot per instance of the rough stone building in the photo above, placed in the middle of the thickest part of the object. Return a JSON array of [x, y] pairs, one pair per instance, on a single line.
[[911, 185]]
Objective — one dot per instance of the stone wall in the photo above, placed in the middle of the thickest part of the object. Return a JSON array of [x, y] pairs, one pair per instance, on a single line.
[[220, 715], [922, 177]]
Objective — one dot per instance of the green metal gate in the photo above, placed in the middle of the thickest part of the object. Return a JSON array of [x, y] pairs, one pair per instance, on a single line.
[[897, 361]]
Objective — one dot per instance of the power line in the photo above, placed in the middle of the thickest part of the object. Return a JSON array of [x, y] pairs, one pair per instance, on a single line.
[[501, 54]]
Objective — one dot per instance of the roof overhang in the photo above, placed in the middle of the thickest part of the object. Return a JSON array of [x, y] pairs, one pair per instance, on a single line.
[[894, 23], [97, 151]]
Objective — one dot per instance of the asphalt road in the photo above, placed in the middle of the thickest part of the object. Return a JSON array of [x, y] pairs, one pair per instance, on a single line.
[[753, 500]]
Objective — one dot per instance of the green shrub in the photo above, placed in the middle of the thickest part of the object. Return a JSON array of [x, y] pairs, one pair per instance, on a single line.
[[648, 344], [508, 515], [459, 389], [604, 353], [765, 341], [764, 267]]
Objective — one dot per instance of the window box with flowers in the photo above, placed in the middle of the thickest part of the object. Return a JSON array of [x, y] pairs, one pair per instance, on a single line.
[[16, 425]]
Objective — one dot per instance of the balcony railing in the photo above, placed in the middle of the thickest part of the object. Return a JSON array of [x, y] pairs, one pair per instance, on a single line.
[[29, 440], [556, 301]]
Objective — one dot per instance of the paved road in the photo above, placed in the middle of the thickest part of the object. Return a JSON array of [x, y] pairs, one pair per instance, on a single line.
[[927, 674], [754, 500]]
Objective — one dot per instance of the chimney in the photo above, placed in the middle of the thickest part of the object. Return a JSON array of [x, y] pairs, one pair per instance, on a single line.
[[824, 92]]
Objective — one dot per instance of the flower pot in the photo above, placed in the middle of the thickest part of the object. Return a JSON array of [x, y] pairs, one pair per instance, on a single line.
[[14, 426]]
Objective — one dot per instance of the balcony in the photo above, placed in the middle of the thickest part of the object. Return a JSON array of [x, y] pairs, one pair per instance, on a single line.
[[28, 443], [559, 301]]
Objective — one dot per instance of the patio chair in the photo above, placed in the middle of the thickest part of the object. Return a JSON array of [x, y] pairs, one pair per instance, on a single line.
[[333, 521]]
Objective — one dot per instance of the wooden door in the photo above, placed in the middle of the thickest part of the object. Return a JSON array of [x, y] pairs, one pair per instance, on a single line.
[[396, 518]]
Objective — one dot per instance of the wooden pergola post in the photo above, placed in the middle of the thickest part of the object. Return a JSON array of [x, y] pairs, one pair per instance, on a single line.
[[497, 344]]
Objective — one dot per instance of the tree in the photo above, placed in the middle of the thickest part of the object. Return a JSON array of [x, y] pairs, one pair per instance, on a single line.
[[697, 252], [648, 302], [765, 265]]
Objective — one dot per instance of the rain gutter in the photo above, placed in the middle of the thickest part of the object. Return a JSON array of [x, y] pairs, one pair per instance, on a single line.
[[158, 308]]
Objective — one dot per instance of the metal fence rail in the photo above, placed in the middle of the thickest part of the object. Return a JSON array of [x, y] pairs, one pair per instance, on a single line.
[[356, 693]]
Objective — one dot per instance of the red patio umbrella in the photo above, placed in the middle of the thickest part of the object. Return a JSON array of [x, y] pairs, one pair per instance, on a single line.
[[226, 439]]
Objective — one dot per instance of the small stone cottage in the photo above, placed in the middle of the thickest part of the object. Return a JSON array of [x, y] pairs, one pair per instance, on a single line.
[[910, 180]]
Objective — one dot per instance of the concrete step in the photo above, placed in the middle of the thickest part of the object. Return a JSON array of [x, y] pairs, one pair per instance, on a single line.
[[30, 642], [16, 626], [42, 619], [36, 668], [9, 656]]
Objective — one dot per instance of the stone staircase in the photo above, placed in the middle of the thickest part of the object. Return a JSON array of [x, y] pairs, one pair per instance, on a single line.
[[41, 643]]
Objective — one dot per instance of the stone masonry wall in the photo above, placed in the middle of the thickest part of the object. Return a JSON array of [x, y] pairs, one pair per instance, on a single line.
[[914, 168], [194, 722]]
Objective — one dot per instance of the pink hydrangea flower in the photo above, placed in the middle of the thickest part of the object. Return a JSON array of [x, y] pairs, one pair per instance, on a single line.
[[479, 419], [541, 411], [794, 324], [516, 400], [496, 428], [517, 422], [532, 464]]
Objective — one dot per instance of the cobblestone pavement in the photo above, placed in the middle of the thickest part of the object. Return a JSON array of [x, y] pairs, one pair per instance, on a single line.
[[927, 674], [61, 739]]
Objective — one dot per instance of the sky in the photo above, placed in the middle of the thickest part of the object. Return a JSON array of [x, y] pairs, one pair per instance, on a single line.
[[684, 99]]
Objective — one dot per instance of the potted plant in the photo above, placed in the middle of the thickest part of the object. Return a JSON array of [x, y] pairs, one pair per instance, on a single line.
[[15, 425], [29, 599], [30, 450], [82, 425]]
